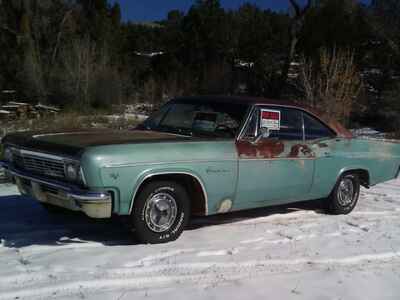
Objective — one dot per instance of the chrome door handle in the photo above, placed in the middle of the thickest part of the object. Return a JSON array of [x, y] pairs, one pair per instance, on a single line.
[[306, 151]]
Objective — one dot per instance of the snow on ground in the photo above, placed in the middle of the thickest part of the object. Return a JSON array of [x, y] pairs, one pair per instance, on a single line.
[[289, 252], [368, 133]]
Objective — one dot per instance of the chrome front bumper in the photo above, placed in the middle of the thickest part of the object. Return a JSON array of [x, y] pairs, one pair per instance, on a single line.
[[96, 205]]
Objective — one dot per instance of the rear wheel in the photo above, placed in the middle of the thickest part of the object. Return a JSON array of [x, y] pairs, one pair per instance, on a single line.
[[160, 212], [344, 196]]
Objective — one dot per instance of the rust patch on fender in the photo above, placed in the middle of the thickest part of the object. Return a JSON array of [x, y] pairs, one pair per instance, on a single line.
[[269, 149], [301, 151], [263, 150]]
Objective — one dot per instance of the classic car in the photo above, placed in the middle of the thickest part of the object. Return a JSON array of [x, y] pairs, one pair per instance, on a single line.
[[200, 156]]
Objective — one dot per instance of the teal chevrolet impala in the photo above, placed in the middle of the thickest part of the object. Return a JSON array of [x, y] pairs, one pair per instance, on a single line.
[[199, 156]]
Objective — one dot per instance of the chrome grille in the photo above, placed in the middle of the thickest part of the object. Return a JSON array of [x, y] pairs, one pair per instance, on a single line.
[[39, 165]]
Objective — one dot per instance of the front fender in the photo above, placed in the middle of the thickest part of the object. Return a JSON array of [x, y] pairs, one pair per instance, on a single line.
[[218, 180], [146, 174], [349, 169]]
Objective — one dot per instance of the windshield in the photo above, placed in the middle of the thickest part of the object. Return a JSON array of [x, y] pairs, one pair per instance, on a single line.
[[198, 119]]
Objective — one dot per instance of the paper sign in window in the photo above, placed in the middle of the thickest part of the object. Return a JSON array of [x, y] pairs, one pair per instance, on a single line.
[[271, 119]]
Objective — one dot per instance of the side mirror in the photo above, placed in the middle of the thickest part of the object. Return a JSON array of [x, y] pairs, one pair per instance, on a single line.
[[263, 133]]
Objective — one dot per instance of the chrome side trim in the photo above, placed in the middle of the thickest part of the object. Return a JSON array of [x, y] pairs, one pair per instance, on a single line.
[[91, 198], [60, 134], [170, 173], [167, 162], [277, 158]]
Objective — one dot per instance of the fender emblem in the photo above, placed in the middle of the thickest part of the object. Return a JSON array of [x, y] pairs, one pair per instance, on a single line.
[[216, 171], [114, 176]]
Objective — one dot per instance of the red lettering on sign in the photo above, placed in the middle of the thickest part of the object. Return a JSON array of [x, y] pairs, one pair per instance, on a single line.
[[270, 115]]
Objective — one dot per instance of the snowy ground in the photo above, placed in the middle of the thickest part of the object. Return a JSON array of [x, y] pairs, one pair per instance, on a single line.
[[276, 253]]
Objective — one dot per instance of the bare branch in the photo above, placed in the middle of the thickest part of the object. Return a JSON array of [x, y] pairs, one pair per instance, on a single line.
[[296, 7], [294, 32], [5, 28], [333, 85], [59, 35], [307, 7], [380, 31]]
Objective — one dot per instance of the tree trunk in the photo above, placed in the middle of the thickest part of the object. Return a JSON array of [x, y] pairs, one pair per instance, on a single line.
[[294, 32]]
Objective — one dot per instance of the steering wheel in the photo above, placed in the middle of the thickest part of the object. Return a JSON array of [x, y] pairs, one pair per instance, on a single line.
[[225, 128]]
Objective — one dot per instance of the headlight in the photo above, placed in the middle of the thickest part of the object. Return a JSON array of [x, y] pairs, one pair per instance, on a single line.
[[72, 171], [8, 155]]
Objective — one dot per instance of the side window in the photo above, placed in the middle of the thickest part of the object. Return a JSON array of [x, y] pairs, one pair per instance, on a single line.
[[252, 125], [179, 115], [291, 124], [155, 119], [314, 129]]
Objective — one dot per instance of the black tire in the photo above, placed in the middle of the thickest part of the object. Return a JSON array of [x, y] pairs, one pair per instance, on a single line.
[[146, 228], [53, 209], [337, 204]]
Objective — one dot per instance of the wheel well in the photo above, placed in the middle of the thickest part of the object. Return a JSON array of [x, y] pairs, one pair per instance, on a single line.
[[363, 175], [192, 185]]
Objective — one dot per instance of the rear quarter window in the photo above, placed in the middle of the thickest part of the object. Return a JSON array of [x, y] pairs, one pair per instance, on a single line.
[[315, 129]]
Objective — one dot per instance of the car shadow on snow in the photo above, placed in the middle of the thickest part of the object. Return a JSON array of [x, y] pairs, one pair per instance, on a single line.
[[24, 222], [239, 216]]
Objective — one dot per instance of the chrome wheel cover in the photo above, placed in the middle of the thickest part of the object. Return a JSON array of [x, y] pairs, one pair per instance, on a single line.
[[160, 212], [346, 192]]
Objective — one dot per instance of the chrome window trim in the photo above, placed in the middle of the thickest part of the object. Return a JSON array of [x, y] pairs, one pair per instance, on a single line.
[[170, 173], [303, 127], [246, 123], [256, 107], [316, 118], [304, 111]]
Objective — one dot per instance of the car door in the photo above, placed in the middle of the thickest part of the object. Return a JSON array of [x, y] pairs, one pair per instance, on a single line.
[[277, 169], [329, 154]]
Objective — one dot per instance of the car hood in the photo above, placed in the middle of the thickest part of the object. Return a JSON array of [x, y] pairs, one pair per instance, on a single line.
[[73, 143]]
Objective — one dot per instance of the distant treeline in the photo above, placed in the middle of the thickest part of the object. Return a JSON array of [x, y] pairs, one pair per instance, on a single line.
[[79, 54]]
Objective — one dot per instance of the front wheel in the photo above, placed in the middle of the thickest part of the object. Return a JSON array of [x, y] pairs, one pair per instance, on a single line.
[[53, 209], [344, 196], [160, 212]]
